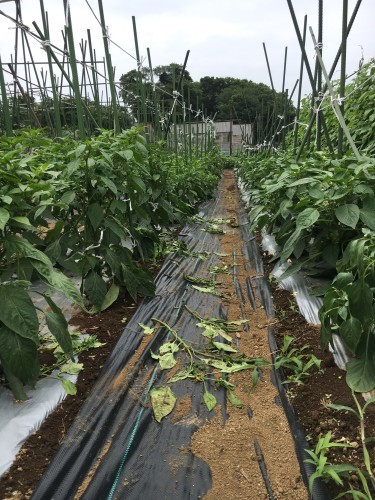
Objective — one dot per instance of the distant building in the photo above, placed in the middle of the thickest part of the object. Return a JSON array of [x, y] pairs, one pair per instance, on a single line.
[[227, 135]]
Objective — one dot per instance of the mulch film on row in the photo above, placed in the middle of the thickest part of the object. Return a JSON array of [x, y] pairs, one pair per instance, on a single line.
[[116, 448]]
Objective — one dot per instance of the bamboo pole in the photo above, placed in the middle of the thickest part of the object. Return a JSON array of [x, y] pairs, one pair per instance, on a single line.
[[343, 73], [56, 107], [319, 78], [190, 128], [94, 80], [143, 107], [73, 66], [4, 98], [154, 98], [25, 96], [178, 89], [309, 73], [334, 98], [110, 69], [330, 74], [299, 87]]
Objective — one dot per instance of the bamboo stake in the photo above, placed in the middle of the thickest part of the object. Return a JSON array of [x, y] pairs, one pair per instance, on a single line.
[[143, 108], [343, 71], [73, 66], [154, 98], [110, 69], [25, 96], [94, 80], [334, 98], [309, 73], [56, 107], [299, 87], [330, 74], [4, 98]]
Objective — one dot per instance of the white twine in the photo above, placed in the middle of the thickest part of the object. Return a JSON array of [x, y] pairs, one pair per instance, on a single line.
[[45, 43]]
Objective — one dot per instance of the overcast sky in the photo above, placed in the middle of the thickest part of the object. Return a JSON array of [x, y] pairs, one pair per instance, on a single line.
[[224, 37]]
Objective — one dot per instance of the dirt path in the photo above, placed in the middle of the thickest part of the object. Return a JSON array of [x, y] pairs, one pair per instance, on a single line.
[[257, 435]]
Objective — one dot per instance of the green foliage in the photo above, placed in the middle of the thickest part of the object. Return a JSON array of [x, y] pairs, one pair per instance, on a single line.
[[322, 212], [349, 310], [338, 472], [297, 363], [360, 414], [359, 105], [95, 209], [325, 469]]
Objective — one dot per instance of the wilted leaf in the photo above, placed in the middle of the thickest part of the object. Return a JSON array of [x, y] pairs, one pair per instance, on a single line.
[[182, 375], [146, 329], [224, 347], [58, 326], [69, 387], [167, 361], [163, 401], [209, 400], [234, 400], [71, 368], [168, 347]]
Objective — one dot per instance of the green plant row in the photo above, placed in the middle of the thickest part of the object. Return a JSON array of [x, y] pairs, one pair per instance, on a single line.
[[95, 209], [321, 211]]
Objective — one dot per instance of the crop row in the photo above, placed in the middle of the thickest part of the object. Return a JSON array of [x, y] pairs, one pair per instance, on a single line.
[[94, 209]]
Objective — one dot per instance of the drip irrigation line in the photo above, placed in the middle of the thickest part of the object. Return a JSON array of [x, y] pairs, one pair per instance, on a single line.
[[132, 436]]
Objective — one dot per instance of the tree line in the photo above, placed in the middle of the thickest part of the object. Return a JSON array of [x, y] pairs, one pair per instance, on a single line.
[[222, 98]]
